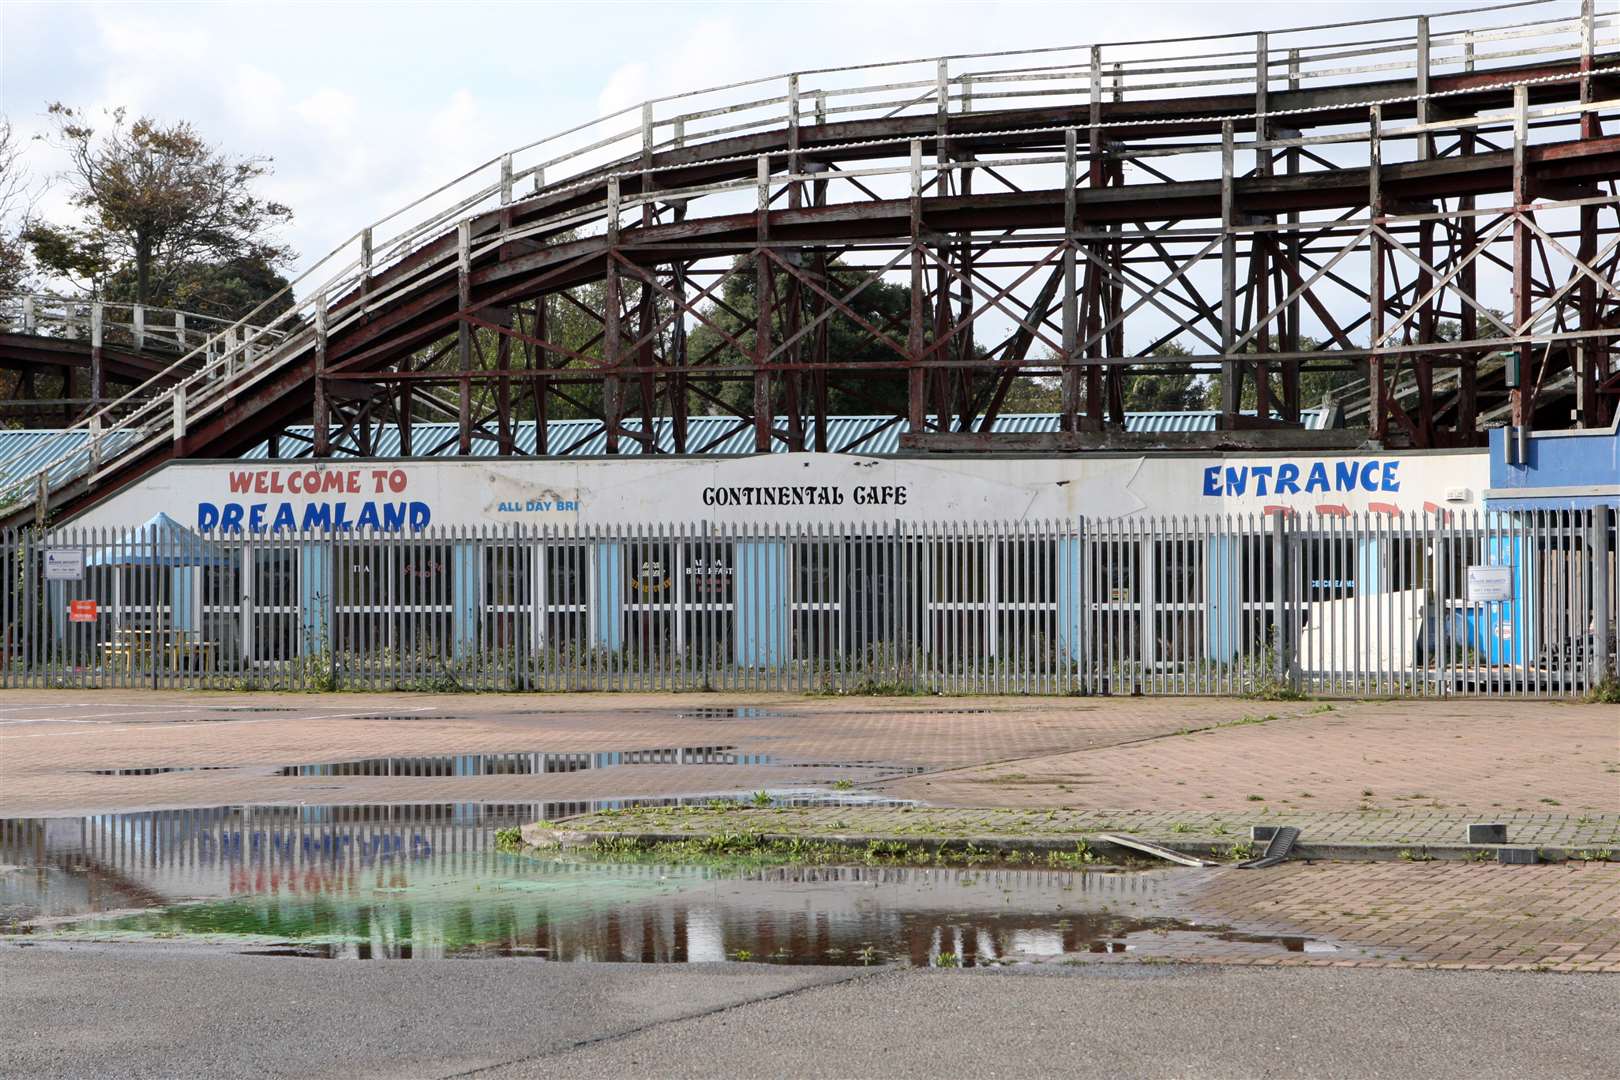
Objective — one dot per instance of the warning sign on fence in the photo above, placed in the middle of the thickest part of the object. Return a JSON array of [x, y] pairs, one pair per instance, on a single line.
[[81, 611]]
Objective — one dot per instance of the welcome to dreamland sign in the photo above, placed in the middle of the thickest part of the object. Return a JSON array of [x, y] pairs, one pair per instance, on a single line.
[[408, 496]]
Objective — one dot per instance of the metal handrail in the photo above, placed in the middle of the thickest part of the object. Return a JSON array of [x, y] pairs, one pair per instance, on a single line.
[[602, 152]]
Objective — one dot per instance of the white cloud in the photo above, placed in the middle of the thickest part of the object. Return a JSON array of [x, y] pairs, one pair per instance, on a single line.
[[329, 111]]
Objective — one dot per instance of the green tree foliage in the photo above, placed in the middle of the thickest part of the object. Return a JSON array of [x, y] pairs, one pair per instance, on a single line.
[[1182, 391], [157, 202], [226, 290]]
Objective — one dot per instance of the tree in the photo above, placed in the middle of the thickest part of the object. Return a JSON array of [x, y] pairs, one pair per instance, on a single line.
[[156, 200], [225, 290], [1182, 391], [13, 193]]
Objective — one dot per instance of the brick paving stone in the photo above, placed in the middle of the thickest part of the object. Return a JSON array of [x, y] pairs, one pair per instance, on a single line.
[[1483, 758], [49, 740]]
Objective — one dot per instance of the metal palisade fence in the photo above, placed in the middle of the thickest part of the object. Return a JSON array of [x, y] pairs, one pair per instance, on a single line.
[[1479, 603]]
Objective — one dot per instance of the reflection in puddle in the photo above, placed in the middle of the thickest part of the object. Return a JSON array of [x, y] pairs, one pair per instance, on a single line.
[[425, 881], [527, 763], [160, 770], [524, 764], [729, 712]]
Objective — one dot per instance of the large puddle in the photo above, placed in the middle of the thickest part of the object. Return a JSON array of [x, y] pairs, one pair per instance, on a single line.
[[426, 881], [530, 763]]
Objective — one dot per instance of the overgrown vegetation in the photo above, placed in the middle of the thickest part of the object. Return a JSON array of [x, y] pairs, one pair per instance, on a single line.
[[1606, 692], [752, 849]]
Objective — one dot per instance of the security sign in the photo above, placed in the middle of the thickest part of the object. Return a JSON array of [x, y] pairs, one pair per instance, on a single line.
[[1490, 584], [81, 611], [64, 564]]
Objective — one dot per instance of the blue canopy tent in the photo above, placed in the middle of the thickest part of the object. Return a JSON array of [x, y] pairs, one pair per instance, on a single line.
[[162, 542]]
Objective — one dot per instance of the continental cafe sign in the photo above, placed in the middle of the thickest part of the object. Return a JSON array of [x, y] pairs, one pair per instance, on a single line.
[[408, 496]]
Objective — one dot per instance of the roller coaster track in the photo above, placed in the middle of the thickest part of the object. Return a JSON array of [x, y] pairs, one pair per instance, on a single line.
[[60, 357], [1409, 199]]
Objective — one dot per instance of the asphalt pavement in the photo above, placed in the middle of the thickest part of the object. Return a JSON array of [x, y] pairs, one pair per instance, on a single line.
[[185, 1011]]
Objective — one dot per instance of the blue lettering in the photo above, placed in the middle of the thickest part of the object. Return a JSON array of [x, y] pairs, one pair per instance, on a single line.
[[1390, 483], [1212, 480], [340, 520], [1236, 481], [420, 515], [318, 516], [1369, 475], [1344, 476], [368, 517], [256, 517], [230, 518], [393, 516], [1318, 479], [1288, 479], [207, 516], [285, 518], [1262, 473]]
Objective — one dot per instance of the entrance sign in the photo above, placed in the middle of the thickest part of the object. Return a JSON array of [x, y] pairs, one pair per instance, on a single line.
[[64, 564], [1490, 584], [81, 611]]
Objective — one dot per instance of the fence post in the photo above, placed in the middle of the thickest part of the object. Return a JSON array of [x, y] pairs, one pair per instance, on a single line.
[[1599, 554], [1284, 606]]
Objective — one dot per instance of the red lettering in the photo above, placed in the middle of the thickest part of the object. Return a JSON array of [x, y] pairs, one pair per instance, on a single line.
[[275, 483], [396, 480], [295, 482], [312, 482], [261, 483], [377, 478], [333, 481], [241, 482], [354, 481]]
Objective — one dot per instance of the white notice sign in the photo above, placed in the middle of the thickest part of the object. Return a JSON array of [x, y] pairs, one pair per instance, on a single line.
[[1490, 584], [64, 564]]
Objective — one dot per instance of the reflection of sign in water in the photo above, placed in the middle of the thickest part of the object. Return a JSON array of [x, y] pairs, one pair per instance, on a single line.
[[650, 577], [1490, 584], [81, 611], [64, 564]]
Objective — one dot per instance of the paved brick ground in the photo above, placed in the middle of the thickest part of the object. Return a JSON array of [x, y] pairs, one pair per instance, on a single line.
[[49, 742], [1445, 915], [1461, 757], [1398, 771]]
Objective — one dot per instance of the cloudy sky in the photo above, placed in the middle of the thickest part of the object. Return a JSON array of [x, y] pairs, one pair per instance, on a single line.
[[365, 106]]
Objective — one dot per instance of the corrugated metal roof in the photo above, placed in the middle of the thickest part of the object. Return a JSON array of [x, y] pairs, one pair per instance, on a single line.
[[24, 451], [724, 435]]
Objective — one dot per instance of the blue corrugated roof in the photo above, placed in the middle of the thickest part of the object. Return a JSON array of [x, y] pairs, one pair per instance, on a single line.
[[718, 434], [24, 451]]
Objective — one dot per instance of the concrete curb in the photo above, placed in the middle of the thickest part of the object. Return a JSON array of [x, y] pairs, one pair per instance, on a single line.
[[543, 836]]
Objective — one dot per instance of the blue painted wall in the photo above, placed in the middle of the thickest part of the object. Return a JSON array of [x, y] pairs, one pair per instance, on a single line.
[[762, 603], [1561, 460], [314, 596], [607, 597], [466, 597]]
